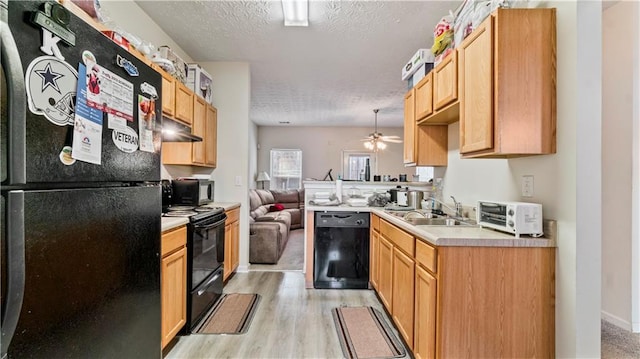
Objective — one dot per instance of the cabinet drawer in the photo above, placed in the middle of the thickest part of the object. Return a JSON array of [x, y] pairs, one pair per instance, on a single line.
[[233, 215], [173, 239], [398, 237], [375, 223], [426, 256]]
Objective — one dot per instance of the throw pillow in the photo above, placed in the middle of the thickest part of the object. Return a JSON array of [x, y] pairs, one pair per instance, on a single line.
[[276, 207]]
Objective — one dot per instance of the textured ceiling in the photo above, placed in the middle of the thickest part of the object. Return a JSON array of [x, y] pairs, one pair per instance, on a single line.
[[332, 73]]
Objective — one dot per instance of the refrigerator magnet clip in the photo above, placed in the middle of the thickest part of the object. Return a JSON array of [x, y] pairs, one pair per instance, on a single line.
[[88, 58], [148, 89], [65, 156], [127, 65], [55, 19], [51, 89]]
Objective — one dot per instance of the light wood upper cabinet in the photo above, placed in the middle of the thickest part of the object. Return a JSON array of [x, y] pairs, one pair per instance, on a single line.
[[168, 94], [184, 103], [173, 286], [409, 127], [199, 129], [445, 81], [423, 145], [211, 145], [203, 153], [508, 85], [424, 97]]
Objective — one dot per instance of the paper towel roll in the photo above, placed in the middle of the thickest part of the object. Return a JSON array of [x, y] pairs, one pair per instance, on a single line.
[[339, 190]]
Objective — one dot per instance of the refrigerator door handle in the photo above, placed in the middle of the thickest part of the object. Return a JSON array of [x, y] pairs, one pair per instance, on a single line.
[[15, 257], [17, 104]]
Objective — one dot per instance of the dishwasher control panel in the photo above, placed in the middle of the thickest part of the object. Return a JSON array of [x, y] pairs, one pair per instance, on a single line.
[[342, 219]]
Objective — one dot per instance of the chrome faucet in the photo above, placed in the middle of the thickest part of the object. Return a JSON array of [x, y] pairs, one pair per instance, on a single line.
[[458, 206]]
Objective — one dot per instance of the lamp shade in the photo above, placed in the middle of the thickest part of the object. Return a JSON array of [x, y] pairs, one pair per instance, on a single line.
[[262, 177]]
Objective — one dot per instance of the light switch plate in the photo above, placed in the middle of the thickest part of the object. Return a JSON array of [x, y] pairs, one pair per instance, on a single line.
[[238, 180], [527, 186]]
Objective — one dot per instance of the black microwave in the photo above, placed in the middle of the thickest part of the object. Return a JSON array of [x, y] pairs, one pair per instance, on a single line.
[[192, 191]]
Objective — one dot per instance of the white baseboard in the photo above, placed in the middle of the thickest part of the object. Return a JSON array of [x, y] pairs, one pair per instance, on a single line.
[[242, 269], [615, 320]]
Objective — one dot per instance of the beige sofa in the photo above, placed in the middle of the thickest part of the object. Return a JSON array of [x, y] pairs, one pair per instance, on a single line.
[[270, 226]]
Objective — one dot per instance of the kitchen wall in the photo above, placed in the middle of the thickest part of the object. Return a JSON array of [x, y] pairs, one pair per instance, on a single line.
[[322, 148], [231, 95], [566, 183], [620, 33]]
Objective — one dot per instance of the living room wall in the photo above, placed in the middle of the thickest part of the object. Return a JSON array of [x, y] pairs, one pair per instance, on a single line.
[[322, 148]]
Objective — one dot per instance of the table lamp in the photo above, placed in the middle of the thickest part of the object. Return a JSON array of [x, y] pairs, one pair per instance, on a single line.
[[263, 177]]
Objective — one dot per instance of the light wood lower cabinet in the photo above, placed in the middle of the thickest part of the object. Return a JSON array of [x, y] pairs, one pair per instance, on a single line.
[[173, 286], [403, 280], [385, 270], [231, 242], [467, 302], [424, 332], [374, 245]]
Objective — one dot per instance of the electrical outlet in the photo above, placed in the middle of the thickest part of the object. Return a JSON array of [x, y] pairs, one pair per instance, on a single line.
[[527, 186], [238, 181]]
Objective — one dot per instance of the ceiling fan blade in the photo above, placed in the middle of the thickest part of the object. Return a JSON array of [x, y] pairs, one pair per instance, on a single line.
[[393, 140]]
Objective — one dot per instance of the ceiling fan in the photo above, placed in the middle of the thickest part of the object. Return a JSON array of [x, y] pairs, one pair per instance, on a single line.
[[376, 140]]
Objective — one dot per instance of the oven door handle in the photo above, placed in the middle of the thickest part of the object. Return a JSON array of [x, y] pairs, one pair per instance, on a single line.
[[213, 279], [207, 226]]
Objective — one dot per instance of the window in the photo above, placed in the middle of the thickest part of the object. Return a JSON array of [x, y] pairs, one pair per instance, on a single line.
[[354, 163], [286, 169]]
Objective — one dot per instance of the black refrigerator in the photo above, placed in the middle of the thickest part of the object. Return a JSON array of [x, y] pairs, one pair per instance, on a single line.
[[81, 201]]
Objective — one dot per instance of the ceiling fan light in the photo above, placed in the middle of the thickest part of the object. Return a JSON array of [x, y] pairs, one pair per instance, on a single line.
[[296, 12], [381, 145], [368, 145]]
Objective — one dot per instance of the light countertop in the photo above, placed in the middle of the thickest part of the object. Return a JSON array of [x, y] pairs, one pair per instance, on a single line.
[[467, 236]]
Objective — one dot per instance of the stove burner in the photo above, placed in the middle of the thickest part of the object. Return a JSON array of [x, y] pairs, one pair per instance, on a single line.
[[174, 213], [180, 208]]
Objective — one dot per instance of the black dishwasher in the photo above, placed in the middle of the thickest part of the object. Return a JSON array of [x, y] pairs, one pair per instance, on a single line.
[[341, 250]]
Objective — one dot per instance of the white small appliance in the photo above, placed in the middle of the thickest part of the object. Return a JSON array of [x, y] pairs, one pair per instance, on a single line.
[[511, 217]]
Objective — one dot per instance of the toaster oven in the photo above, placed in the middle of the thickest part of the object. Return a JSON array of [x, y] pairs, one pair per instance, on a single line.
[[511, 217]]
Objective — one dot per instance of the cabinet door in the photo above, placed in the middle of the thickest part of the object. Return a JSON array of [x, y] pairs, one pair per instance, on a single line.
[[432, 145], [445, 81], [403, 294], [235, 245], [184, 103], [174, 294], [227, 251], [199, 129], [424, 346], [476, 88], [385, 267], [168, 94], [211, 136], [409, 127], [373, 258], [424, 97]]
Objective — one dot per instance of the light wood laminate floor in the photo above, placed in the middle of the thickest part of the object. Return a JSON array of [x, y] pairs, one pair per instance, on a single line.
[[290, 322]]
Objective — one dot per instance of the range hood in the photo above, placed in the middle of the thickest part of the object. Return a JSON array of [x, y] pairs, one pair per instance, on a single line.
[[173, 131]]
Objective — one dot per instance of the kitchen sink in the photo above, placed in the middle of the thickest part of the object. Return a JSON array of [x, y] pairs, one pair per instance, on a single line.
[[417, 221]]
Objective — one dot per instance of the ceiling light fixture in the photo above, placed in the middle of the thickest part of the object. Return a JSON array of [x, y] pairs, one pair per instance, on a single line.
[[375, 140], [296, 12]]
